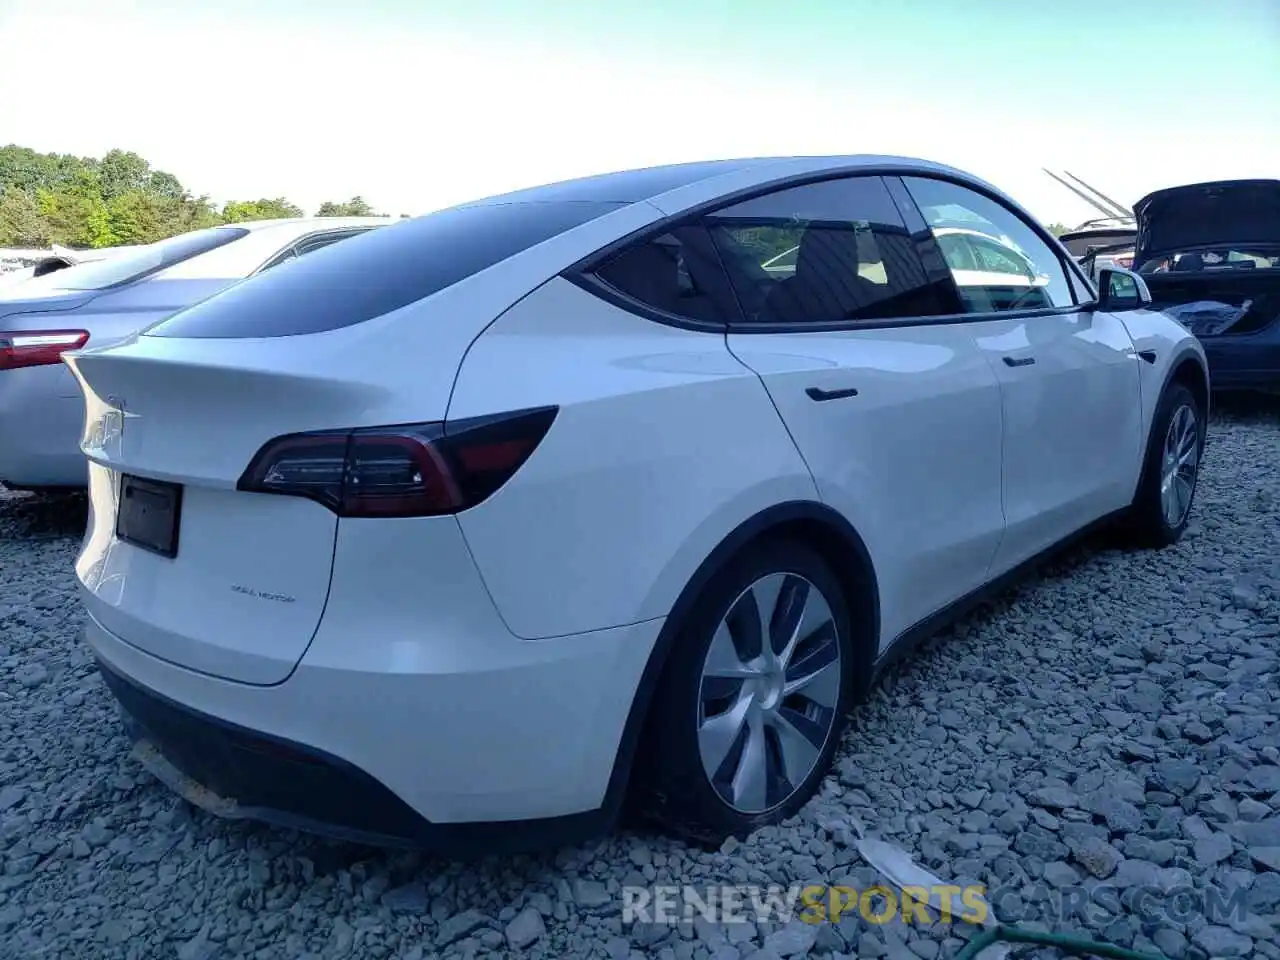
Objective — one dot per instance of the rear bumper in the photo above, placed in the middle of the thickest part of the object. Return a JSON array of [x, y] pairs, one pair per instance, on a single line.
[[239, 773], [460, 763], [41, 416], [236, 772]]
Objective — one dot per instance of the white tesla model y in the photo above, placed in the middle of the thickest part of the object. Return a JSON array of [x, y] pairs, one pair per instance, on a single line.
[[453, 533]]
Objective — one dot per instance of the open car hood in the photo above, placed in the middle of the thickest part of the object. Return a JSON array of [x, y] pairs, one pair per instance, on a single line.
[[1225, 212]]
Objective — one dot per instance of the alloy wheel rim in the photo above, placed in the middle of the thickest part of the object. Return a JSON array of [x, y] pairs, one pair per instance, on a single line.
[[769, 692], [1179, 466]]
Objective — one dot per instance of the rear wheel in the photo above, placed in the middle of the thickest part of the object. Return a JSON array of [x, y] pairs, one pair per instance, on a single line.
[[1162, 506], [750, 708]]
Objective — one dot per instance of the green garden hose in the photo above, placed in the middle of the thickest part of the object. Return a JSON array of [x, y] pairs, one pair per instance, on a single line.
[[1074, 946]]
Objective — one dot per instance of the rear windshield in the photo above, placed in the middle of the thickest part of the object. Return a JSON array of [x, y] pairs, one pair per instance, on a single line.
[[370, 275], [116, 269]]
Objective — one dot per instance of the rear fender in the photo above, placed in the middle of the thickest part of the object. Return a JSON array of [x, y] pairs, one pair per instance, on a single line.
[[856, 573]]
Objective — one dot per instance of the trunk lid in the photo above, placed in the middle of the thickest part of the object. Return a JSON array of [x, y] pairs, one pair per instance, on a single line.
[[1227, 213], [14, 301], [244, 593]]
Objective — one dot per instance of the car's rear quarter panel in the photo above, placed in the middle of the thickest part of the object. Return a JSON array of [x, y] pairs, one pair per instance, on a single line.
[[664, 444]]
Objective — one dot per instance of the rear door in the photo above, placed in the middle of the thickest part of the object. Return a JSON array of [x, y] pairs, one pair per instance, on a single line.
[[895, 411], [1068, 374]]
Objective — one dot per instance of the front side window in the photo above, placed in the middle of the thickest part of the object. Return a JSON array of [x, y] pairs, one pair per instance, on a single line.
[[828, 252], [676, 273], [1006, 265]]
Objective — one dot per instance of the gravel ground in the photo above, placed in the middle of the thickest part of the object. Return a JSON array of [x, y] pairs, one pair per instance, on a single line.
[[1113, 727]]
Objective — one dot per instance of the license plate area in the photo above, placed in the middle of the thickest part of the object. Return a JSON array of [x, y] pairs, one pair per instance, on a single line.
[[148, 514]]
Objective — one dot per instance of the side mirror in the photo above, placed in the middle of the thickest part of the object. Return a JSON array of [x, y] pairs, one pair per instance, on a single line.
[[1120, 289]]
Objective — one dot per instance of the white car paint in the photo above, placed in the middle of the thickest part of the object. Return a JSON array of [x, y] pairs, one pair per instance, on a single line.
[[899, 496], [482, 665], [1074, 425]]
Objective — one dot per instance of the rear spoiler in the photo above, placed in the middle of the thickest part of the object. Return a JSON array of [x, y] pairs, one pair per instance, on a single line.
[[63, 257]]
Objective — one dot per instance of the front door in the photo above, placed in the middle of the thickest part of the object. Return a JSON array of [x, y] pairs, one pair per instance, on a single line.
[[897, 416], [1068, 373]]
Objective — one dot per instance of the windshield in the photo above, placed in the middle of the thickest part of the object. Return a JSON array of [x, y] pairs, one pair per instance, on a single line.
[[114, 270]]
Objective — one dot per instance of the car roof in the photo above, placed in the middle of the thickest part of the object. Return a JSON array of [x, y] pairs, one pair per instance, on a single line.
[[650, 183]]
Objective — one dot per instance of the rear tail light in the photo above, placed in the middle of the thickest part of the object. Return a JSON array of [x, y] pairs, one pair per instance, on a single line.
[[38, 348], [411, 470]]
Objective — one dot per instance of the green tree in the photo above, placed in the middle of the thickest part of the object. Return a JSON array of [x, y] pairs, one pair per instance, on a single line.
[[166, 185], [23, 168], [120, 172], [67, 215], [355, 207], [1057, 229], [237, 211], [185, 213], [20, 222], [98, 226], [118, 198], [136, 217]]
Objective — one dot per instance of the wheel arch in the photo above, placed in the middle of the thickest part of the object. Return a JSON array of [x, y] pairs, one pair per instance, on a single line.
[[815, 525], [1187, 367]]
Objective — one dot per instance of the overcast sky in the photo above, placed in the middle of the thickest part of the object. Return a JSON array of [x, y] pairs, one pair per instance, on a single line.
[[417, 104]]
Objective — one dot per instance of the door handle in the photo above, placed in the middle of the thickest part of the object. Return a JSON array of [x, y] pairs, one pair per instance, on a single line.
[[820, 395], [1148, 355], [1019, 361]]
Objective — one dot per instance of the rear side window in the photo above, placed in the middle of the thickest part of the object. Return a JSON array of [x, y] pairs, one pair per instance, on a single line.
[[677, 273], [830, 252], [379, 271]]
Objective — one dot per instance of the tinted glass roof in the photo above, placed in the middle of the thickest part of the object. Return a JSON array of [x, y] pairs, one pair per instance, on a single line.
[[627, 186]]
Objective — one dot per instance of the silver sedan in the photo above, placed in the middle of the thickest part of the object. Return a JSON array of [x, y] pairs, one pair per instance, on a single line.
[[104, 301]]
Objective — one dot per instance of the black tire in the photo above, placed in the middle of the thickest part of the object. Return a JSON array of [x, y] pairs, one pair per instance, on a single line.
[[1147, 524], [672, 787]]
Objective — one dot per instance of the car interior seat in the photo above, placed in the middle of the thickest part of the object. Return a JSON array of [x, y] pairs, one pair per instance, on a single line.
[[826, 284]]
